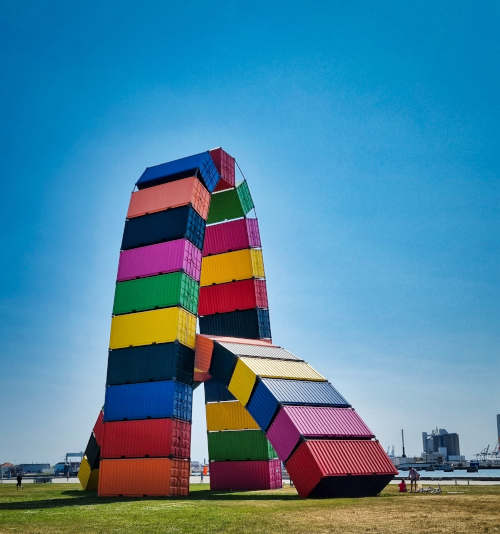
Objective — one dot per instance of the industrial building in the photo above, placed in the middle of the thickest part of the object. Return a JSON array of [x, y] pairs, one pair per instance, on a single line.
[[441, 444]]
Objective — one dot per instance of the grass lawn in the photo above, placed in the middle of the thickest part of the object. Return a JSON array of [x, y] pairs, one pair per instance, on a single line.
[[66, 508]]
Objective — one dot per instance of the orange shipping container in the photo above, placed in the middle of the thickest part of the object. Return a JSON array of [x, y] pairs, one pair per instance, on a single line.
[[170, 195], [143, 476]]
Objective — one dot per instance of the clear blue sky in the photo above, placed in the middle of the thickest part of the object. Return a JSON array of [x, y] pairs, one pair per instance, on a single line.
[[369, 136]]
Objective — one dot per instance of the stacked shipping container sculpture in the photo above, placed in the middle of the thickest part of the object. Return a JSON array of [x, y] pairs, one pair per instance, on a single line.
[[190, 249]]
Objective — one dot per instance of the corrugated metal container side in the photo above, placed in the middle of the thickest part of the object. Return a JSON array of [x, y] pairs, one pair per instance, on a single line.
[[88, 477], [144, 476], [245, 475], [230, 266], [271, 368], [200, 165], [148, 400], [316, 459], [176, 223], [156, 326], [262, 405], [242, 340], [232, 296], [147, 438], [242, 382], [225, 165], [222, 365], [248, 323], [153, 292], [99, 428], [216, 391], [229, 416], [224, 206], [259, 351], [292, 422], [170, 195], [239, 445], [150, 363], [92, 452], [231, 236], [245, 196], [202, 358], [304, 392], [162, 258]]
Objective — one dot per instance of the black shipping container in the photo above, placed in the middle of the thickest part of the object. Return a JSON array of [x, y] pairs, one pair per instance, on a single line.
[[93, 452], [162, 226], [216, 391], [253, 324], [148, 363], [222, 364]]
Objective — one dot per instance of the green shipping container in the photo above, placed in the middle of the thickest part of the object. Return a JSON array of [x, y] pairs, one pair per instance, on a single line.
[[230, 204], [245, 197], [240, 445], [162, 291]]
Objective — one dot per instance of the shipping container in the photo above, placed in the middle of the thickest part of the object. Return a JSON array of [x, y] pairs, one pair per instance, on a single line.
[[156, 326], [170, 195], [148, 400], [229, 416], [246, 324], [290, 369], [339, 461], [269, 393], [202, 358], [147, 438], [230, 236], [239, 445], [176, 223], [245, 475], [222, 364], [88, 477], [92, 452], [245, 196], [199, 165], [242, 382], [244, 341], [232, 296], [225, 165], [99, 427], [148, 363], [142, 477], [162, 258], [225, 205], [216, 391], [259, 351], [294, 422], [161, 291], [230, 266]]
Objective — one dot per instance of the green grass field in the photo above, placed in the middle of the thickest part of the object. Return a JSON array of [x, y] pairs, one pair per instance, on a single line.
[[67, 509]]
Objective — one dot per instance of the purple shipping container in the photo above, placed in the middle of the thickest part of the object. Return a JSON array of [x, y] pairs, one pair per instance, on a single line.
[[168, 257], [245, 475], [292, 422], [233, 235]]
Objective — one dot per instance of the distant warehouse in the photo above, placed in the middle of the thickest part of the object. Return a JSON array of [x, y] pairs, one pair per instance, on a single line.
[[441, 444]]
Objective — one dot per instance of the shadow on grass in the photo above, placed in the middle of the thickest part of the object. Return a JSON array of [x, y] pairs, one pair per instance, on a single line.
[[90, 498]]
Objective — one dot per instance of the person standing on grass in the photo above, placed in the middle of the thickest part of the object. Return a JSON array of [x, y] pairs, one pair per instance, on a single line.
[[413, 476], [19, 482]]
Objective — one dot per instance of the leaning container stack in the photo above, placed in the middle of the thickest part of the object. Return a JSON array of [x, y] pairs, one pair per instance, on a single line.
[[147, 412]]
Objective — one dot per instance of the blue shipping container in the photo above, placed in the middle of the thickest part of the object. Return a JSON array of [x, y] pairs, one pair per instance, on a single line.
[[217, 391], [304, 392], [200, 165], [148, 400], [262, 405], [162, 226], [253, 324]]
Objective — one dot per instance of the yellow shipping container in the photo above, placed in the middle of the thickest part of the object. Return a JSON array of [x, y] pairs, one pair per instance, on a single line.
[[88, 478], [242, 382], [271, 368], [156, 326], [229, 415], [237, 265]]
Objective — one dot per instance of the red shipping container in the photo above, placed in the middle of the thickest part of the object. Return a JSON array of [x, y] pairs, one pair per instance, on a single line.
[[245, 475], [292, 422], [146, 438], [202, 358], [225, 165], [232, 235], [99, 428], [238, 295], [315, 460]]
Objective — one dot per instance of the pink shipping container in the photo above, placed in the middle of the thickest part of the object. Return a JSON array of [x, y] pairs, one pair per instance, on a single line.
[[99, 428], [168, 257], [245, 475], [292, 422], [343, 460], [225, 165], [233, 235]]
